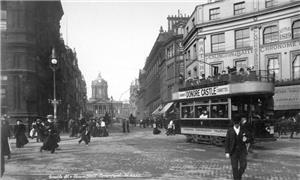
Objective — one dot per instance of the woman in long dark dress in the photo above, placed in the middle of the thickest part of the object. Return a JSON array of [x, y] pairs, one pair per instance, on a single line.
[[5, 134], [85, 134], [50, 143], [20, 131]]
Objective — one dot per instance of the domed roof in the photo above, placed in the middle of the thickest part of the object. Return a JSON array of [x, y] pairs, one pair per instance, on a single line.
[[99, 80]]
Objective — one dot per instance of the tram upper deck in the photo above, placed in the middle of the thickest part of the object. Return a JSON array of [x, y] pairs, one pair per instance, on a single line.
[[254, 82]]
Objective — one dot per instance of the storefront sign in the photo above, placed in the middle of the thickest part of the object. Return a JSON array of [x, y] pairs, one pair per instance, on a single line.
[[287, 97], [237, 53], [204, 92], [204, 131], [280, 45]]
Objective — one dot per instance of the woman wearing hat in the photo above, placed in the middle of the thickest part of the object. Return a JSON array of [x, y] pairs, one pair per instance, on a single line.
[[50, 143], [19, 132]]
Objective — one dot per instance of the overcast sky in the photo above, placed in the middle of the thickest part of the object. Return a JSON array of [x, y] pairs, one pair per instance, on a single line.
[[115, 38]]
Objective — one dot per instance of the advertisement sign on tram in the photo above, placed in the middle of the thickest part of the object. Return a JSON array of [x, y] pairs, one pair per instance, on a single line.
[[203, 92]]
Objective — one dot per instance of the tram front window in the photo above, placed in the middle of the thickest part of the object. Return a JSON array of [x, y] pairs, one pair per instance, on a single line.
[[187, 112]]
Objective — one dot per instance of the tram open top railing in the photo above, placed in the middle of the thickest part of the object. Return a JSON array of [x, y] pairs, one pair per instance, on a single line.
[[234, 77]]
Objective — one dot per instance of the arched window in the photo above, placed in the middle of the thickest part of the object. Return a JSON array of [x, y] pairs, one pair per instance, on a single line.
[[296, 67], [273, 66], [270, 34], [296, 29]]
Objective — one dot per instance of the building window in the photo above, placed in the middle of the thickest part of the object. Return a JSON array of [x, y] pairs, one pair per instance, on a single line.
[[189, 74], [216, 69], [273, 66], [195, 72], [214, 13], [3, 94], [269, 3], [4, 78], [239, 8], [3, 25], [195, 51], [296, 67], [242, 38], [218, 42], [240, 64], [296, 29], [270, 34]]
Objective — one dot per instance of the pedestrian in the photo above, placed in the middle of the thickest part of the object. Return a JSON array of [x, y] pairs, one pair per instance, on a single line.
[[33, 131], [124, 125], [235, 147], [85, 134], [171, 128], [155, 129], [104, 132], [93, 128], [19, 132], [127, 125], [39, 130], [50, 143], [5, 134], [293, 126], [71, 126]]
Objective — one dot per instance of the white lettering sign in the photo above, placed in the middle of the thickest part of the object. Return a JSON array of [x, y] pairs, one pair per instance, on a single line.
[[204, 92]]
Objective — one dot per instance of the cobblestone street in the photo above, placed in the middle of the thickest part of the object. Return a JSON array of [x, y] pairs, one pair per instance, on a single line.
[[140, 154]]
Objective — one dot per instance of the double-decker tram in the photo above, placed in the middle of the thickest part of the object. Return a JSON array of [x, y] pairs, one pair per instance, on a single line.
[[206, 109]]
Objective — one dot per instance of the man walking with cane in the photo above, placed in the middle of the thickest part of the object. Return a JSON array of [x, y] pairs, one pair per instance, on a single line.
[[235, 147]]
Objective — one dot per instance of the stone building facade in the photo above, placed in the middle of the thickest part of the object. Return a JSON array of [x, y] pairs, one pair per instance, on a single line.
[[161, 72], [261, 34], [29, 31], [100, 104]]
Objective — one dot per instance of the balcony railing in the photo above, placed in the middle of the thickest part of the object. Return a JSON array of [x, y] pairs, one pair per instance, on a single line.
[[222, 79]]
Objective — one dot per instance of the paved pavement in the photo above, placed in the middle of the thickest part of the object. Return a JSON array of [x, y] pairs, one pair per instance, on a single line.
[[142, 155]]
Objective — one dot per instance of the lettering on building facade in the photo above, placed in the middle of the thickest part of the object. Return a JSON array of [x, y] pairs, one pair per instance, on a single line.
[[236, 53], [201, 57], [280, 45], [256, 47]]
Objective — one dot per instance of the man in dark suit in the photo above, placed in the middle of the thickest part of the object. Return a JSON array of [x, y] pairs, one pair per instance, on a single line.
[[235, 147]]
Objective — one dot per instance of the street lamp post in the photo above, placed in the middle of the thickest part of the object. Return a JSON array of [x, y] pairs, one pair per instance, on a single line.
[[53, 66]]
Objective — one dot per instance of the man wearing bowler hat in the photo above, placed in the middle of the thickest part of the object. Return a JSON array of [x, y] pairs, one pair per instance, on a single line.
[[235, 147]]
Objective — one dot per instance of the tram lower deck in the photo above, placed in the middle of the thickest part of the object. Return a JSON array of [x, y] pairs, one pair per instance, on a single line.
[[205, 118]]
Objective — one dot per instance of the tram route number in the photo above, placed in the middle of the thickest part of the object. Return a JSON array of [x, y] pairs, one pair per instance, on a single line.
[[211, 91]]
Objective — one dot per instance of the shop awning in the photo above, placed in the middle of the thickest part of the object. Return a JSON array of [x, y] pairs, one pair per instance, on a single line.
[[166, 108], [157, 110]]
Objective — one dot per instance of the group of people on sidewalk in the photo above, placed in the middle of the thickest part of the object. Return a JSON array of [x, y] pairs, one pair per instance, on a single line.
[[45, 132], [96, 127]]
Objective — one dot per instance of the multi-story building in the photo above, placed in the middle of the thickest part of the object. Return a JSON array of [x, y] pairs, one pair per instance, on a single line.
[[261, 34], [160, 76], [133, 92], [100, 104], [29, 31], [72, 87]]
